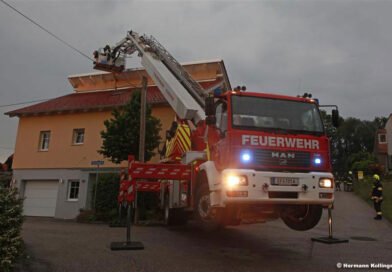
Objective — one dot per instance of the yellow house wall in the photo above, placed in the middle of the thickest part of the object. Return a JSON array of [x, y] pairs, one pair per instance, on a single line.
[[62, 153]]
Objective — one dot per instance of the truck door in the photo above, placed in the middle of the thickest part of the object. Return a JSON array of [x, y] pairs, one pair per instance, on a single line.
[[219, 144]]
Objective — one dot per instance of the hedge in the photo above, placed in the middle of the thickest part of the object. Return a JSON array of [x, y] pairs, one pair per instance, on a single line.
[[11, 220], [106, 205]]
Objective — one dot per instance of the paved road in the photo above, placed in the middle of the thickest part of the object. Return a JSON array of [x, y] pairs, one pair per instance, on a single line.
[[55, 245]]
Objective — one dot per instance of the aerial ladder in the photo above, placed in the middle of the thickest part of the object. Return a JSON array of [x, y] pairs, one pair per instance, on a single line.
[[187, 98], [182, 92]]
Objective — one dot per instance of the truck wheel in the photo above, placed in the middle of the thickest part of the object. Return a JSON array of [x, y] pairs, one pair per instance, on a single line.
[[202, 209], [174, 217], [302, 217]]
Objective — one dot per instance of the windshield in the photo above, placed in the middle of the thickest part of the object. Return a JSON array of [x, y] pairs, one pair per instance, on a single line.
[[268, 114]]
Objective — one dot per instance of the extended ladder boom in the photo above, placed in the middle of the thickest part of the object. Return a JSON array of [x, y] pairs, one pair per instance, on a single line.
[[181, 91]]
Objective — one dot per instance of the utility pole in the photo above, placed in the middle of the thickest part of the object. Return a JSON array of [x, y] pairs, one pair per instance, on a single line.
[[96, 186], [97, 163], [142, 119], [142, 134]]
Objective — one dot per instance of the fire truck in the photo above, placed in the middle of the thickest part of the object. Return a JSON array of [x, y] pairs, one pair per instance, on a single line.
[[236, 156]]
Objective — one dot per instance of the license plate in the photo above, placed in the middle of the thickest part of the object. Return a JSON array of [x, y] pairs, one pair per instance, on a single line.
[[285, 181]]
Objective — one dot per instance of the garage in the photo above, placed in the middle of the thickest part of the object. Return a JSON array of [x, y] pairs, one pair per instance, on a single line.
[[40, 197]]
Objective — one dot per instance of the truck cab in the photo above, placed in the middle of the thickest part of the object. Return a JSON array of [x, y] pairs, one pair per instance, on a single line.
[[269, 157]]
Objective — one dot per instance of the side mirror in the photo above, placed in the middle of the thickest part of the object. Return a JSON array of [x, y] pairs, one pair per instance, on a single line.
[[209, 106], [335, 118]]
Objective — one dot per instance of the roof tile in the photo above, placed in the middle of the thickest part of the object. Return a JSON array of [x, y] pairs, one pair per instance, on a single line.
[[92, 100]]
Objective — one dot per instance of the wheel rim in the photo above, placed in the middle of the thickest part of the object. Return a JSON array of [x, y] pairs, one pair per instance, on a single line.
[[301, 215], [204, 207]]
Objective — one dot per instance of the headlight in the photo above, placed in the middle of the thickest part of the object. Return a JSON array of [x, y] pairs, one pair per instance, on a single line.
[[233, 181], [326, 183]]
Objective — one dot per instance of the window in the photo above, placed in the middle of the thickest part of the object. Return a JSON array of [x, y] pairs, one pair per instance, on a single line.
[[44, 140], [78, 136], [260, 113], [73, 190], [382, 138], [221, 117]]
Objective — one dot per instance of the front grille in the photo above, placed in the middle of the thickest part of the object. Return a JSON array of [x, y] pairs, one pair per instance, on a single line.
[[268, 157]]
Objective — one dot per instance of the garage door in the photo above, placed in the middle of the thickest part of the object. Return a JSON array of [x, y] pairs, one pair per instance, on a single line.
[[40, 198]]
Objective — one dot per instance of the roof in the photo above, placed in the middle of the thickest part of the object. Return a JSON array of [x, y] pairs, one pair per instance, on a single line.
[[90, 101], [102, 90], [142, 69], [200, 71]]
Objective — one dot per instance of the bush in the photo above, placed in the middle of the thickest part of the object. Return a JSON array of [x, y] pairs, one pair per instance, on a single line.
[[106, 204], [148, 204], [11, 219], [5, 179], [107, 192], [376, 168], [89, 216], [362, 161]]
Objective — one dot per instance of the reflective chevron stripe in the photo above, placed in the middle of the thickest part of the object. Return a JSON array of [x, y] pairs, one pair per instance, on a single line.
[[123, 186], [180, 143]]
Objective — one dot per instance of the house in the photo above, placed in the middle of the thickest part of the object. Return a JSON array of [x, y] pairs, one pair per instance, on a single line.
[[57, 140], [380, 147], [388, 138]]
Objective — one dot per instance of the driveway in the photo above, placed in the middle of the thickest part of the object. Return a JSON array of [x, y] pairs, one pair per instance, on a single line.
[[55, 245]]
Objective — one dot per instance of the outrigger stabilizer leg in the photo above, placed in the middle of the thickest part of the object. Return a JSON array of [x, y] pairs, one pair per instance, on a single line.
[[329, 239], [128, 244]]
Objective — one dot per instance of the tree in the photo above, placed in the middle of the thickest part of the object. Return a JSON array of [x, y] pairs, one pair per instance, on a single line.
[[8, 162], [380, 122], [351, 140], [334, 139], [121, 136]]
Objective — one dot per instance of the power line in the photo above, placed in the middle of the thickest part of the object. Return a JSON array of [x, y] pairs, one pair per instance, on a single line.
[[22, 103], [46, 30]]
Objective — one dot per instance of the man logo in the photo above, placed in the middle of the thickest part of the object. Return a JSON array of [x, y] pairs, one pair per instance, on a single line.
[[283, 155], [282, 161]]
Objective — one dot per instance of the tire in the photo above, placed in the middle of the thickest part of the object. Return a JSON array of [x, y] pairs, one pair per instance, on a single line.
[[173, 217], [302, 217], [202, 209]]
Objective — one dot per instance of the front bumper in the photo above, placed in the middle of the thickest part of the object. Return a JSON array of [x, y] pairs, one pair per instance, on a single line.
[[260, 190]]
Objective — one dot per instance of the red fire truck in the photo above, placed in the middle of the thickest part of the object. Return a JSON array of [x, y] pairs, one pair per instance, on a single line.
[[234, 156]]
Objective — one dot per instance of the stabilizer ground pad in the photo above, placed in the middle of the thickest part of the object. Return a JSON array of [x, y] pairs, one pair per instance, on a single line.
[[126, 246], [329, 240]]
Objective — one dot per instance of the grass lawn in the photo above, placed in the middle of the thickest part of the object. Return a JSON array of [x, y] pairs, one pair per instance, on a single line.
[[362, 189]]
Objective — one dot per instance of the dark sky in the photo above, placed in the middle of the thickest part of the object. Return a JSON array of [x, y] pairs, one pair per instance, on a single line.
[[337, 50]]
